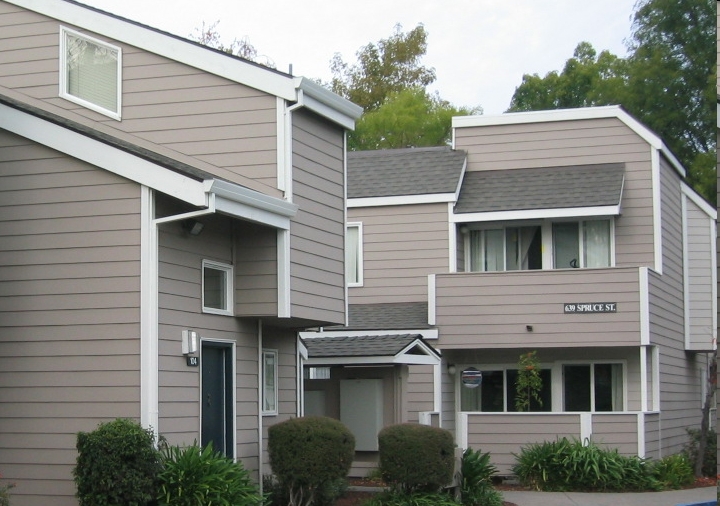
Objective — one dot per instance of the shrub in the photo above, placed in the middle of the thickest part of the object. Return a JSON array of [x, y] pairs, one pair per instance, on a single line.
[[674, 471], [564, 465], [117, 463], [400, 498], [195, 475], [476, 472], [416, 458], [709, 467], [326, 494], [308, 455], [5, 493]]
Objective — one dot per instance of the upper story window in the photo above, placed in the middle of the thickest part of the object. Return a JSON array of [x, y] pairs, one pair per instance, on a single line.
[[354, 254], [90, 72], [549, 245], [217, 288], [581, 244]]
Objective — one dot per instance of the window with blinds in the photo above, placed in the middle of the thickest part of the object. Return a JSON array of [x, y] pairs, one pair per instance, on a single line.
[[90, 72]]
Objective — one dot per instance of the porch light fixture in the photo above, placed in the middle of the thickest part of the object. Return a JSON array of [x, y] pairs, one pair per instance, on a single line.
[[192, 227], [451, 369], [529, 328], [189, 342]]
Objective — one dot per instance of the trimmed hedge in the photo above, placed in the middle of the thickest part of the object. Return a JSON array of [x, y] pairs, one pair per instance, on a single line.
[[416, 458], [117, 463], [308, 453]]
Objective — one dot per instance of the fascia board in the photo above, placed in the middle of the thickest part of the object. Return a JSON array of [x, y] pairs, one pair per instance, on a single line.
[[698, 200], [536, 214], [425, 333], [102, 155], [380, 360], [164, 44], [244, 203], [328, 104], [400, 200]]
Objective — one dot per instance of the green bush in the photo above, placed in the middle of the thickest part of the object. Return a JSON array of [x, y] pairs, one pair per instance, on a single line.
[[5, 493], [564, 465], [709, 467], [416, 458], [309, 456], [194, 475], [325, 495], [117, 463], [476, 472], [674, 471], [400, 498]]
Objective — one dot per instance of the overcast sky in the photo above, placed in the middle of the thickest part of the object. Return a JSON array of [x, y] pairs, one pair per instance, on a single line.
[[479, 48]]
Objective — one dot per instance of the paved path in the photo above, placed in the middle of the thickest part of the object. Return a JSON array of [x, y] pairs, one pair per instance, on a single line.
[[670, 498]]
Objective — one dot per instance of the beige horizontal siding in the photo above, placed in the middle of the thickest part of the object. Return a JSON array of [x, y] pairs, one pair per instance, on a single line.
[[69, 312], [401, 246], [616, 431], [492, 310], [699, 265]]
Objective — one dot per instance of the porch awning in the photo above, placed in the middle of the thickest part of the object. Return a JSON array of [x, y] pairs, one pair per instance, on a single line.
[[597, 187], [370, 350]]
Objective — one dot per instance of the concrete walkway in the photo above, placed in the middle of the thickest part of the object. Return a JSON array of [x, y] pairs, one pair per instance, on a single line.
[[704, 496]]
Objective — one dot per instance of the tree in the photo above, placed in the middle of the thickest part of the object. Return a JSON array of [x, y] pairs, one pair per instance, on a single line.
[[391, 65], [529, 383], [208, 35], [407, 118], [711, 388], [667, 82]]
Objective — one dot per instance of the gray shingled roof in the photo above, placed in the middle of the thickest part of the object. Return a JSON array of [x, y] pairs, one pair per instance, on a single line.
[[541, 188], [412, 171], [390, 316], [359, 346]]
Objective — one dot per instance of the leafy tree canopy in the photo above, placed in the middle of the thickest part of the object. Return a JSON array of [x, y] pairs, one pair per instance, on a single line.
[[667, 81], [407, 118], [391, 65]]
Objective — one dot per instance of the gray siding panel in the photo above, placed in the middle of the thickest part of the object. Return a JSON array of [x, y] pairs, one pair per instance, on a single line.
[[69, 315], [699, 264], [491, 310], [317, 267], [183, 110], [401, 246]]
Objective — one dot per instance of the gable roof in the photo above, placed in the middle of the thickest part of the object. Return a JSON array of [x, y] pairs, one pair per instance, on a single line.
[[597, 185], [293, 89], [357, 350], [403, 172]]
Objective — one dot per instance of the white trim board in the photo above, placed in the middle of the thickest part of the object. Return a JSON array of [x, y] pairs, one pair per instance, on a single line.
[[401, 200], [536, 214]]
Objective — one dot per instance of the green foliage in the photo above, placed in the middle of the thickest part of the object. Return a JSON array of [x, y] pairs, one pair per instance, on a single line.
[[408, 118], [416, 458], [529, 383], [563, 465], [195, 475], [667, 81], [476, 472], [117, 463], [5, 493], [400, 498], [326, 494], [709, 465], [383, 68], [674, 471], [308, 454]]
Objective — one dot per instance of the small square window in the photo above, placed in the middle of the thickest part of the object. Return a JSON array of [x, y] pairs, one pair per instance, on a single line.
[[217, 288], [90, 72], [269, 382]]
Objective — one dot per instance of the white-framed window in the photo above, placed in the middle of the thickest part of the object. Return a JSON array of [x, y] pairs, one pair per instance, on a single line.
[[269, 382], [354, 254], [317, 373], [497, 391], [578, 244], [598, 386], [540, 245], [217, 288], [90, 72]]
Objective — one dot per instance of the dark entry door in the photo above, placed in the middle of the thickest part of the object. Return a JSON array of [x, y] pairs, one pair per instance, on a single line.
[[217, 399]]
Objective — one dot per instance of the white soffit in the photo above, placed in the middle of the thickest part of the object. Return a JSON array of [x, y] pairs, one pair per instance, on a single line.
[[610, 111]]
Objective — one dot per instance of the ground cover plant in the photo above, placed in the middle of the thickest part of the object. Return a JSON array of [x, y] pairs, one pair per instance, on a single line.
[[563, 465], [194, 475], [475, 479]]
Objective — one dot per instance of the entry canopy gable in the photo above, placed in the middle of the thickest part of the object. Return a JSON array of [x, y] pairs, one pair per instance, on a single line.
[[370, 350]]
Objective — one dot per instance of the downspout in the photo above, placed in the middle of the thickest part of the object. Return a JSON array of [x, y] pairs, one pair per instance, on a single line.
[[260, 404]]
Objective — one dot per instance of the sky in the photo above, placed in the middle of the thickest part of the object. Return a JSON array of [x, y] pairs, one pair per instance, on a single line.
[[480, 49]]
